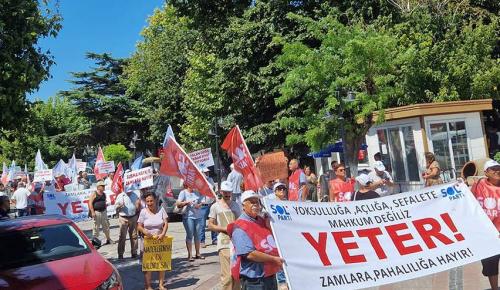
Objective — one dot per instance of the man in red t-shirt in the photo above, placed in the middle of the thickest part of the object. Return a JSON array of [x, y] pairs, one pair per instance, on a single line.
[[487, 192]]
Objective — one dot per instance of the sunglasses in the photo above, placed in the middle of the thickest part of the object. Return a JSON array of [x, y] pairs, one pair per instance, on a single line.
[[342, 169], [281, 188]]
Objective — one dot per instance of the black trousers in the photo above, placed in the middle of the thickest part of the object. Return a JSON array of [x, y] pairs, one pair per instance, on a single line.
[[267, 283]]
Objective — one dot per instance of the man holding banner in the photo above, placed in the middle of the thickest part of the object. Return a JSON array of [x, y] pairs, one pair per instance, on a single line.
[[257, 259], [487, 192]]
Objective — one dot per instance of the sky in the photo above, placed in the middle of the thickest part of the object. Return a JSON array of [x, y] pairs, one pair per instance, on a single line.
[[111, 26]]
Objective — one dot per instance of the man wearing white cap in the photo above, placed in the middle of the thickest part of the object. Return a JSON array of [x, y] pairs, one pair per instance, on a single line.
[[222, 213], [487, 192], [257, 258], [381, 179], [365, 192], [279, 189]]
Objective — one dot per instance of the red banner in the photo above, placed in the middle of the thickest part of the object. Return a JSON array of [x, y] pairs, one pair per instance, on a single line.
[[117, 185], [176, 162], [99, 159], [235, 145]]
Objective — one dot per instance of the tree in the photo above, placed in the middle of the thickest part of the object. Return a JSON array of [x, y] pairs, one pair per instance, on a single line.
[[351, 58], [100, 96], [55, 127], [23, 64], [117, 153], [157, 69]]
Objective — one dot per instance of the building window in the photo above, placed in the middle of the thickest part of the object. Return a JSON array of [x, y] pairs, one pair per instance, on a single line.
[[397, 147], [449, 143]]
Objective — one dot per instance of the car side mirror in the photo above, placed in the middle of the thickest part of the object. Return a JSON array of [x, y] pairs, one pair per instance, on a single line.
[[96, 243]]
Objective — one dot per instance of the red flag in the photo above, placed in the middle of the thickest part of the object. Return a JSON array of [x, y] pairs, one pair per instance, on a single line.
[[176, 162], [99, 159], [235, 145], [117, 185]]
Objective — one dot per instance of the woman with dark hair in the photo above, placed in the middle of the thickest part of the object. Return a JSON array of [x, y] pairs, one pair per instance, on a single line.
[[432, 173], [152, 223], [312, 183]]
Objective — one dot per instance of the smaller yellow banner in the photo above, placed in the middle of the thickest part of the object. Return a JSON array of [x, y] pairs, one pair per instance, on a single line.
[[157, 254]]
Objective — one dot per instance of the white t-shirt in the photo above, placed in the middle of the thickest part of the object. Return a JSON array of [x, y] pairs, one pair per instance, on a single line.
[[383, 190], [21, 197], [129, 208], [223, 216]]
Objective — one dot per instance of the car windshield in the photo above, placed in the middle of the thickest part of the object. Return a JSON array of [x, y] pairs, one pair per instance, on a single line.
[[39, 245]]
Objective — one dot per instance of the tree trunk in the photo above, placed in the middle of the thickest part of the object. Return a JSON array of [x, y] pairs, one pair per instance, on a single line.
[[352, 144]]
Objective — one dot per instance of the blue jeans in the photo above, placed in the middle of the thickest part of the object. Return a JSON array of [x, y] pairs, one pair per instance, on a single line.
[[205, 210], [192, 227], [22, 212]]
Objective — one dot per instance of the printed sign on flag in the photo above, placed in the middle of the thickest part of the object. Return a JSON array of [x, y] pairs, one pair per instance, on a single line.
[[138, 179], [81, 166], [176, 162], [353, 245], [202, 158], [106, 167], [43, 175]]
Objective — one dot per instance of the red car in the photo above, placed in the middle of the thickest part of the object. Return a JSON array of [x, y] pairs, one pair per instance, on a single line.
[[51, 252]]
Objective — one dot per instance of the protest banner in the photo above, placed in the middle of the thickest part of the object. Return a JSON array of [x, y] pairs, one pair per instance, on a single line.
[[138, 179], [74, 204], [202, 158], [43, 175], [106, 167], [367, 243], [157, 254], [273, 166], [81, 166]]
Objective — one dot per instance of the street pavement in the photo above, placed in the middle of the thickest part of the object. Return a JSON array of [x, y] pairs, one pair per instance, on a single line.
[[204, 274]]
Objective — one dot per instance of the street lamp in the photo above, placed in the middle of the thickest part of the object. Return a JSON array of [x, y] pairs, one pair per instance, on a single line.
[[214, 132], [132, 145], [351, 96]]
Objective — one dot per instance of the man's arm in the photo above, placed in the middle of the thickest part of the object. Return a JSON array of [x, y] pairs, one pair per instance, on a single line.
[[259, 257], [212, 226]]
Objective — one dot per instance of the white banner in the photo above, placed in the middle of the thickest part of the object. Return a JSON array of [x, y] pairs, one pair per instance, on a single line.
[[81, 166], [74, 204], [43, 175], [373, 242], [138, 179], [106, 167], [202, 158]]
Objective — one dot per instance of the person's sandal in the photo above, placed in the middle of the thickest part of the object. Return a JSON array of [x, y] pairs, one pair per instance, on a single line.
[[191, 259], [199, 257]]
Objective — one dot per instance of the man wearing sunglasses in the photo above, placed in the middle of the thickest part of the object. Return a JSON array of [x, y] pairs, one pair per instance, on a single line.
[[279, 192]]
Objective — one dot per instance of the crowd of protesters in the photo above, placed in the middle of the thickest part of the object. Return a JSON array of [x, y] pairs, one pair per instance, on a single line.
[[237, 217]]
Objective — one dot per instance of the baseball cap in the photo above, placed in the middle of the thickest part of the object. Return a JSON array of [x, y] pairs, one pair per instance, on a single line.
[[205, 169], [226, 186], [100, 183], [248, 194], [379, 165], [278, 184], [490, 163], [364, 179]]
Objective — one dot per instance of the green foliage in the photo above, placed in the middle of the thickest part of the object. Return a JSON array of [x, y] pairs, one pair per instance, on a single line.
[[157, 70], [23, 65], [55, 127], [497, 157], [117, 153], [100, 96]]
